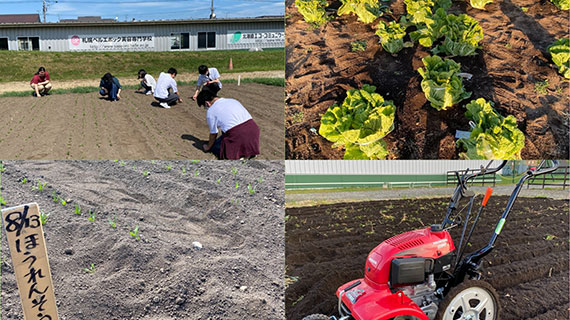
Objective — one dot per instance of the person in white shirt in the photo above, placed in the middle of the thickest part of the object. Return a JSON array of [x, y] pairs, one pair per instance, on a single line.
[[147, 83], [207, 76], [240, 134], [166, 91]]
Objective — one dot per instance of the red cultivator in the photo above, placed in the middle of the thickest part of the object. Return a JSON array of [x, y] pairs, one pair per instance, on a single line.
[[421, 274]]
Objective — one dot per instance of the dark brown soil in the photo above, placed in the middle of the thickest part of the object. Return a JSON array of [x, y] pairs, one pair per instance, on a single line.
[[327, 246], [84, 127], [237, 275], [320, 68]]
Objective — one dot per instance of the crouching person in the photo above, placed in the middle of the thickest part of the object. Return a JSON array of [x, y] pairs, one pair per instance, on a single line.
[[110, 86], [166, 91], [41, 83], [240, 134]]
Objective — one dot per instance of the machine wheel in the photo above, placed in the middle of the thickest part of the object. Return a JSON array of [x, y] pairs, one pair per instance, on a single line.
[[471, 300], [317, 316]]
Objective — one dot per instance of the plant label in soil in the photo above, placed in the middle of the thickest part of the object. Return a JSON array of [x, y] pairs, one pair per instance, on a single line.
[[29, 257]]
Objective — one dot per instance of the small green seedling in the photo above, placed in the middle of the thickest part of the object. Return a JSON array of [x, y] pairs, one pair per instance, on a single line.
[[116, 161], [219, 179], [135, 233], [90, 269], [134, 167], [250, 188], [234, 171], [2, 169], [260, 180], [541, 86], [196, 173], [77, 209], [122, 163], [549, 237], [183, 170], [358, 45], [168, 167], [236, 201], [54, 196], [40, 186], [44, 217], [195, 161], [2, 201], [92, 216], [63, 202], [145, 173], [237, 185], [113, 222], [24, 181]]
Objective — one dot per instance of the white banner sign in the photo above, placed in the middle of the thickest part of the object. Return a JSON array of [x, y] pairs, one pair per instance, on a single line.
[[116, 42], [256, 37]]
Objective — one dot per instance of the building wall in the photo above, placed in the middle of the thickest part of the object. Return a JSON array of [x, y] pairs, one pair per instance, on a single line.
[[56, 38]]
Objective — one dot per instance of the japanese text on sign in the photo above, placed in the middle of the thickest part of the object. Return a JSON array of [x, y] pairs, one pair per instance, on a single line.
[[125, 42], [256, 37], [29, 257]]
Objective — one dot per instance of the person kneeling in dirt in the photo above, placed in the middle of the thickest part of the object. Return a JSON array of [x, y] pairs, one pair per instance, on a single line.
[[147, 83], [207, 76], [110, 86], [240, 134], [165, 83], [40, 83]]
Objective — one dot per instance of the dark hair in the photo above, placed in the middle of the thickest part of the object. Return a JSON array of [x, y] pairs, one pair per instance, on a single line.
[[208, 93], [172, 71], [107, 78], [142, 73], [40, 70], [202, 69]]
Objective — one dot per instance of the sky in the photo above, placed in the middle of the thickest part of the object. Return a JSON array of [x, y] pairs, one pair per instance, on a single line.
[[124, 10]]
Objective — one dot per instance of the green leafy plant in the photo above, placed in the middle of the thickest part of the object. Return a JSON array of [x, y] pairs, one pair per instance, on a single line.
[[219, 179], [40, 186], [237, 184], [77, 209], [560, 53], [313, 11], [562, 4], [54, 196], [360, 123], [196, 173], [44, 218], [194, 161], [493, 136], [430, 30], [2, 168], [146, 173], [391, 36], [541, 87], [462, 36], [134, 167], [24, 181], [92, 215], [122, 163], [479, 4], [441, 84], [113, 222], [358, 45], [90, 269], [366, 10], [168, 167], [420, 11], [260, 180], [63, 201], [250, 189], [183, 170], [2, 201], [135, 233], [234, 171]]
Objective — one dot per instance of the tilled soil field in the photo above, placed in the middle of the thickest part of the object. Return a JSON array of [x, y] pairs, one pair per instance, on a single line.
[[512, 64], [236, 275], [83, 126], [327, 246]]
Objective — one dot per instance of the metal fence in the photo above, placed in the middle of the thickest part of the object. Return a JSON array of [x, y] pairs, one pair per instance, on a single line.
[[482, 180], [558, 178]]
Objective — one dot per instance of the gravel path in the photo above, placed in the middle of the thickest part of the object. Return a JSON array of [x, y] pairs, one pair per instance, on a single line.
[[187, 77], [315, 198]]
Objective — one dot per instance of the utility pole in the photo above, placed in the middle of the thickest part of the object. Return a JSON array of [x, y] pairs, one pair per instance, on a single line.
[[212, 14], [46, 4]]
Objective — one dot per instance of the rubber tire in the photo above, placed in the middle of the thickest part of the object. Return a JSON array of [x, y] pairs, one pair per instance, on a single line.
[[317, 316], [465, 285]]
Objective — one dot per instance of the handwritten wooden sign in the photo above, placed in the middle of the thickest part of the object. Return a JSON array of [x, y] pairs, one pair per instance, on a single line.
[[29, 257]]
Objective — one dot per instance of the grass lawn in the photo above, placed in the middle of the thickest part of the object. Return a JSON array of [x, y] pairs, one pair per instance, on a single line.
[[20, 66]]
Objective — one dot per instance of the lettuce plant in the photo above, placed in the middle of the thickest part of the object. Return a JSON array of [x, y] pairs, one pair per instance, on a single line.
[[562, 4], [480, 4], [359, 124], [493, 136], [391, 36], [560, 52], [428, 32], [421, 11], [441, 84], [462, 36], [366, 10], [313, 11]]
